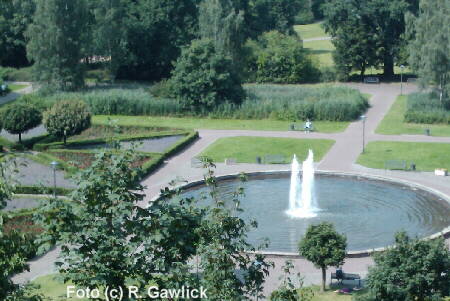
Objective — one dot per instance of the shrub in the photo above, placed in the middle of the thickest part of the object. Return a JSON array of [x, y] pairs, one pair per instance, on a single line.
[[426, 108], [162, 89], [20, 117], [67, 118], [204, 78], [281, 59]]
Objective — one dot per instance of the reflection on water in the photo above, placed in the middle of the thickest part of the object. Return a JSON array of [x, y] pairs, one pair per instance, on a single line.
[[369, 212]]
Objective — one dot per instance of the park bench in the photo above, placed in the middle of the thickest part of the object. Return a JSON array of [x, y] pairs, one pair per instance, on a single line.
[[372, 80], [230, 161], [411, 80], [395, 164], [296, 127], [340, 276], [274, 159]]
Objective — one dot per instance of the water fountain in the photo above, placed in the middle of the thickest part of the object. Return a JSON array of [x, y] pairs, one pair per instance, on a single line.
[[302, 203]]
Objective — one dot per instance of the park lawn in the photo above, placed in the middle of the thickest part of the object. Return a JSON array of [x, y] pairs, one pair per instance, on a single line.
[[426, 156], [310, 31], [321, 51], [246, 149], [216, 124], [393, 124], [14, 87]]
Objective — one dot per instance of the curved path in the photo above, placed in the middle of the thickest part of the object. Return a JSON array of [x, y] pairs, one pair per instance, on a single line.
[[340, 158]]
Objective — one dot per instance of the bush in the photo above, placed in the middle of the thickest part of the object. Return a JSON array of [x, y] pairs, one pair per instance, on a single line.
[[426, 108], [204, 78], [18, 75], [20, 117], [67, 118], [280, 59], [162, 89]]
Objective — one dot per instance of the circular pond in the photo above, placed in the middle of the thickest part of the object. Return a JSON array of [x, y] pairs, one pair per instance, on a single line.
[[368, 211]]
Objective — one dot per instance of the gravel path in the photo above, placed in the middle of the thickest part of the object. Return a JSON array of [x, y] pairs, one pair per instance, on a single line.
[[13, 95], [340, 158], [35, 174]]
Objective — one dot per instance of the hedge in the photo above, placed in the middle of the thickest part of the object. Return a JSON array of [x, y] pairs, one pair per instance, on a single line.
[[41, 190]]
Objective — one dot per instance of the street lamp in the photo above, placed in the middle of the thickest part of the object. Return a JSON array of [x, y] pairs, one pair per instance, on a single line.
[[363, 118], [401, 79], [54, 164]]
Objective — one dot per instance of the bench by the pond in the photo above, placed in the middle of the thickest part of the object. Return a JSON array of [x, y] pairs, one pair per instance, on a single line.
[[274, 159], [302, 127], [411, 80], [230, 161], [395, 164], [340, 276], [372, 80]]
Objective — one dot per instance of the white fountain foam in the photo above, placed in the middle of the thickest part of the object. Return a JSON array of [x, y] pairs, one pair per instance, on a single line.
[[302, 203]]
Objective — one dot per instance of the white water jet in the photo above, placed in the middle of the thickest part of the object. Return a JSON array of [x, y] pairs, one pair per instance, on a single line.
[[302, 201]]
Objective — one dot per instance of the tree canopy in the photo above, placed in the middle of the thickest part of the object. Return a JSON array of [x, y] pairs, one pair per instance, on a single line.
[[430, 46], [412, 270], [324, 247], [20, 117]]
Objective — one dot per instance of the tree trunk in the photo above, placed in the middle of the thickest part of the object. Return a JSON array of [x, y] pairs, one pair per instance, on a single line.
[[388, 68], [324, 279], [20, 137], [363, 71], [65, 139]]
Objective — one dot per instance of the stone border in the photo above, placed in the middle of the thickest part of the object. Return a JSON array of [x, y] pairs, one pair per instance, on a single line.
[[350, 254]]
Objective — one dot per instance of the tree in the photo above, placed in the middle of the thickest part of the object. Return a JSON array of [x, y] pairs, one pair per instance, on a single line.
[[223, 247], [412, 270], [19, 118], [221, 23], [380, 25], [67, 118], [204, 78], [317, 8], [106, 238], [324, 247], [157, 31], [110, 32], [15, 16], [57, 42], [277, 58], [430, 47]]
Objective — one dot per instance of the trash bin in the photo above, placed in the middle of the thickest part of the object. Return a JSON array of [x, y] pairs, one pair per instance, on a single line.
[[427, 132], [413, 166], [258, 160]]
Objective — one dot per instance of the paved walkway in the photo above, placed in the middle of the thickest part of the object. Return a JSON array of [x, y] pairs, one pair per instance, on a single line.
[[13, 95], [340, 158]]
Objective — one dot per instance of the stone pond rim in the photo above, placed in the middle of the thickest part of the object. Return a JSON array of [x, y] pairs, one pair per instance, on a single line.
[[350, 254]]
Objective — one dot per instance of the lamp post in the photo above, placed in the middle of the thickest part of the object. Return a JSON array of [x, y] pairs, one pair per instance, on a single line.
[[54, 164], [363, 119], [401, 79]]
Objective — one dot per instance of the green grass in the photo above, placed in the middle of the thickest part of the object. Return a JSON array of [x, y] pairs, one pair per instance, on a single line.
[[310, 31], [246, 149], [15, 87], [393, 123], [217, 124], [426, 156], [321, 51]]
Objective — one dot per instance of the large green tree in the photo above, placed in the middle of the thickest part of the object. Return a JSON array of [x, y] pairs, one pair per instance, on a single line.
[[57, 42], [412, 270], [107, 239], [15, 16], [157, 31], [380, 27], [324, 247], [204, 78], [221, 23], [109, 32], [430, 47]]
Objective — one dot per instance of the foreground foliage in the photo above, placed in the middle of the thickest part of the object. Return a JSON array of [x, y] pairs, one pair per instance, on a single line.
[[412, 270]]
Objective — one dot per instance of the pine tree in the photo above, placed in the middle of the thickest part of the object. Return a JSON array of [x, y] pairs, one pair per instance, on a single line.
[[57, 40], [430, 48]]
